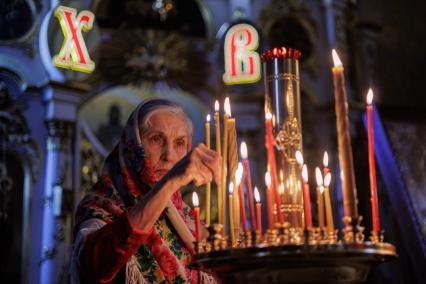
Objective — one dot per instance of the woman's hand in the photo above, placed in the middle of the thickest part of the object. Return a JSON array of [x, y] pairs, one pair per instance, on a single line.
[[200, 166]]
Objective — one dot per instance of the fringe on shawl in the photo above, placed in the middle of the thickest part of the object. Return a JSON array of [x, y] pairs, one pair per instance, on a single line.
[[133, 272], [86, 228]]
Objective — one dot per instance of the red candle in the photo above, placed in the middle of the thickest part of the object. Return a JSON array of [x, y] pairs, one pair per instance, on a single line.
[[239, 178], [306, 198], [270, 142], [258, 210], [197, 216], [246, 166], [373, 184], [269, 201], [326, 170]]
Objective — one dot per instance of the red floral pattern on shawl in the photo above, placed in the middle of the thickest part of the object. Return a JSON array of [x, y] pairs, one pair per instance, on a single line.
[[126, 176]]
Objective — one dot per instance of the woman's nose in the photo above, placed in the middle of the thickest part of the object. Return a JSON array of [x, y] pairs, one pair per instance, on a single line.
[[168, 153]]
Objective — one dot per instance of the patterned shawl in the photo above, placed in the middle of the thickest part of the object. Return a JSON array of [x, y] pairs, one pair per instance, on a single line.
[[126, 177]]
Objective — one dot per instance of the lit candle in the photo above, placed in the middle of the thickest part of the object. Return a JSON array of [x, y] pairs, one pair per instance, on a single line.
[[269, 201], [217, 126], [197, 216], [350, 201], [299, 158], [373, 184], [306, 197], [239, 179], [220, 186], [328, 209], [320, 189], [247, 174], [270, 142], [232, 155], [224, 160], [208, 185], [258, 210], [231, 211], [326, 170]]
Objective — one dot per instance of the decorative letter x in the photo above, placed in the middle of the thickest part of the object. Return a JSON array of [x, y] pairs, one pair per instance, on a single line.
[[73, 53]]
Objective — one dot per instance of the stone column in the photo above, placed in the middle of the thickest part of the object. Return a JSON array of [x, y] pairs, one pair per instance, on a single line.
[[56, 225]]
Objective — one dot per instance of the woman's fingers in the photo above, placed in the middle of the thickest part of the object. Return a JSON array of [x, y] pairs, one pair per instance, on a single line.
[[199, 166], [211, 160]]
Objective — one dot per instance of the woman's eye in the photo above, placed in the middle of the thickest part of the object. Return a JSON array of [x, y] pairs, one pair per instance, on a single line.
[[181, 143], [156, 139]]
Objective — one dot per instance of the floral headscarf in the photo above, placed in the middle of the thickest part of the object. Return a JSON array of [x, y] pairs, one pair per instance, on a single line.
[[126, 177]]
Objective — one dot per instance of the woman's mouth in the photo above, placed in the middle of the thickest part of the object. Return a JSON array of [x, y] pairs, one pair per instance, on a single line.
[[160, 173]]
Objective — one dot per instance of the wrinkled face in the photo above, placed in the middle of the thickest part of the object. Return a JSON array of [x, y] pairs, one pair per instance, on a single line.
[[166, 141]]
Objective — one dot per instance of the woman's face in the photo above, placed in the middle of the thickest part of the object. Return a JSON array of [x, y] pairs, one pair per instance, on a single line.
[[166, 141]]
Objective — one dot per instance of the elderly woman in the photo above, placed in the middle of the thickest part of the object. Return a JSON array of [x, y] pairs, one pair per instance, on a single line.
[[133, 226]]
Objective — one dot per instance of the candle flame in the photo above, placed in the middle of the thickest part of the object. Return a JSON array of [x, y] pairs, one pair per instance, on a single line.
[[268, 115], [268, 179], [216, 106], [208, 118], [325, 159], [336, 59], [299, 157], [281, 188], [327, 180], [227, 107], [321, 188], [239, 174], [231, 187], [243, 150], [318, 175], [256, 194], [305, 173], [195, 199], [369, 96]]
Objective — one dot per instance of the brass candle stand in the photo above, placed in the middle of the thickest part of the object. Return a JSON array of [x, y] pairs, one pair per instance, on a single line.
[[292, 255]]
